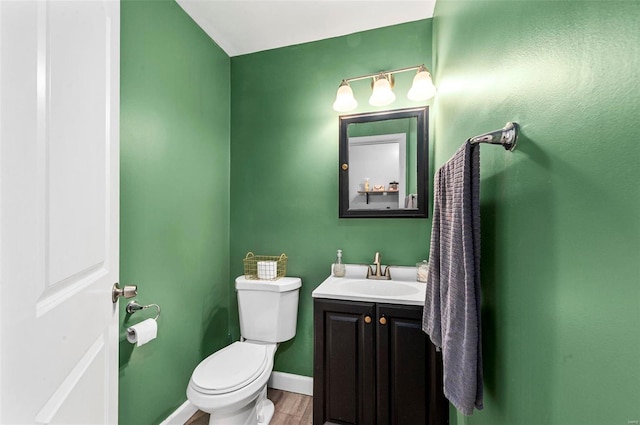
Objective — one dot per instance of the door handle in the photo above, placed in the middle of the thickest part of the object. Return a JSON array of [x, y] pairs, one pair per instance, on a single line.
[[128, 291]]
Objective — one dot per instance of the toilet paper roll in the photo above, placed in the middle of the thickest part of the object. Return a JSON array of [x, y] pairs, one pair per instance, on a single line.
[[267, 269], [143, 332]]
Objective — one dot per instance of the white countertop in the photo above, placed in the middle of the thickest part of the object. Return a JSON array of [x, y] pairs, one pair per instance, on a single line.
[[403, 288]]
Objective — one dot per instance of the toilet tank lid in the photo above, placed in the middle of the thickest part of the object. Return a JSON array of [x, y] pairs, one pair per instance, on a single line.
[[284, 284]]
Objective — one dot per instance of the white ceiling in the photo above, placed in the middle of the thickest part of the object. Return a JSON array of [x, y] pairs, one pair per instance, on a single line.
[[247, 26]]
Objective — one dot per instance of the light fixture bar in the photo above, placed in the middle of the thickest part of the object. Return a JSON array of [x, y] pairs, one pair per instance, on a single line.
[[375, 74]]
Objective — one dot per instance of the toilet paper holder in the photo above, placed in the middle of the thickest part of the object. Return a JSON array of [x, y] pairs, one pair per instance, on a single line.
[[134, 306]]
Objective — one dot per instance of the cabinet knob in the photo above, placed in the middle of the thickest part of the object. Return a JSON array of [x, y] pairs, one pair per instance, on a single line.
[[383, 320], [367, 319], [345, 167]]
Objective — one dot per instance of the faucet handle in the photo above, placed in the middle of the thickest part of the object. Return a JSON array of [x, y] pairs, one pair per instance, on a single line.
[[387, 273]]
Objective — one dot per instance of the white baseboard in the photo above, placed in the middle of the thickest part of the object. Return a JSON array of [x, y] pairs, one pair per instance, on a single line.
[[181, 415], [290, 382]]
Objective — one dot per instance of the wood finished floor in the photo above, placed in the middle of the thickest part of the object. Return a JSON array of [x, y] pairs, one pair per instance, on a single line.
[[291, 409]]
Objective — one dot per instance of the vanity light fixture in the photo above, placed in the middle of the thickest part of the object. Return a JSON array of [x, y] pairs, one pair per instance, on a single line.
[[382, 85]]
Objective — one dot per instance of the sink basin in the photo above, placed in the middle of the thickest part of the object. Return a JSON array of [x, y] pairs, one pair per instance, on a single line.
[[380, 288], [401, 289]]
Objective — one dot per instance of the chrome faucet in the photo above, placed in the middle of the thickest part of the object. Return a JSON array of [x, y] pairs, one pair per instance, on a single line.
[[378, 275]]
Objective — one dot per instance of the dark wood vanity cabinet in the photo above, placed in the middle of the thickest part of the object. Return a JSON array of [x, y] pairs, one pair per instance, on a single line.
[[373, 365]]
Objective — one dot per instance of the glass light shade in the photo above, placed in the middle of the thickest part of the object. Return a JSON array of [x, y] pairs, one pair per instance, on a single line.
[[422, 87], [344, 99], [382, 94]]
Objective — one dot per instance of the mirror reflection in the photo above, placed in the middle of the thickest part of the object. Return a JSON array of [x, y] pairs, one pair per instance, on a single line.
[[384, 161]]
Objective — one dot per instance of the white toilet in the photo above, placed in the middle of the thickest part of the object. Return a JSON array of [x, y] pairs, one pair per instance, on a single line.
[[231, 384]]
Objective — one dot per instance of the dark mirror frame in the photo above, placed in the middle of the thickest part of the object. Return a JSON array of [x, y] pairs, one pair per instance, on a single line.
[[422, 156]]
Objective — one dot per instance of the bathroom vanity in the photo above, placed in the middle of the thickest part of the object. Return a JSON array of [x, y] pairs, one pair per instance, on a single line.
[[372, 362]]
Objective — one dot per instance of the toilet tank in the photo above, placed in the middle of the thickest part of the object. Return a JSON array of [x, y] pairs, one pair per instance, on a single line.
[[268, 309]]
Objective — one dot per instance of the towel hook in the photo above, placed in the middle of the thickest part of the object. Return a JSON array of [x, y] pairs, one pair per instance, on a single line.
[[134, 306]]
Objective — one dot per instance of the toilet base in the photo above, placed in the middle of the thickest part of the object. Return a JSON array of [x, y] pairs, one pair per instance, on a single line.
[[258, 412], [266, 412]]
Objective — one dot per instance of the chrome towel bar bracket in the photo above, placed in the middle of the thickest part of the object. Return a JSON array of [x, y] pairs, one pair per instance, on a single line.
[[507, 137], [133, 306]]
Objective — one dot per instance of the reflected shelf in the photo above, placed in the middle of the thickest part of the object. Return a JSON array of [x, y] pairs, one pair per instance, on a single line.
[[377, 192]]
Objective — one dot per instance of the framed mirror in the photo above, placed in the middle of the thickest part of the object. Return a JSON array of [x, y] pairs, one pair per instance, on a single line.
[[384, 164]]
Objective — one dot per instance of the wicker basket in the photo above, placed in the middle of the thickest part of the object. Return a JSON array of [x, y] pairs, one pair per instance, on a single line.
[[264, 267]]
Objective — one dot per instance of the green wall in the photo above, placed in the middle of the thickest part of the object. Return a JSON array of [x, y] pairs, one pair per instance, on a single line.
[[174, 235], [560, 215], [561, 240], [284, 163]]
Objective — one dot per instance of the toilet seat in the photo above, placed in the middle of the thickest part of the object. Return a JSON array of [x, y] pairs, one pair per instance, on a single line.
[[229, 369]]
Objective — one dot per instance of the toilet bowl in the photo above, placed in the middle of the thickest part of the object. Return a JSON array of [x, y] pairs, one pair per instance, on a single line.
[[231, 384]]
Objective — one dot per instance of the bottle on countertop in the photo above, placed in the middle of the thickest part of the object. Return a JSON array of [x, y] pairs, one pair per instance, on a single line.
[[422, 271], [367, 187], [338, 267]]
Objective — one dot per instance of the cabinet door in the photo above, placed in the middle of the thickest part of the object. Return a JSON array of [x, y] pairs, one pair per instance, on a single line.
[[409, 371], [344, 371]]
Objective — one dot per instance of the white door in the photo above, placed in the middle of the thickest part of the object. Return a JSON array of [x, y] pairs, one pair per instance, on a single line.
[[59, 155]]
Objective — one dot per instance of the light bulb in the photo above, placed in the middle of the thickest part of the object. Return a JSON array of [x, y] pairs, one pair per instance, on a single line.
[[382, 94], [344, 98], [422, 87]]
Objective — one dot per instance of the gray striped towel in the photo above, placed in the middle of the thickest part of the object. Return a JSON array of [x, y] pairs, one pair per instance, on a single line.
[[452, 303]]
